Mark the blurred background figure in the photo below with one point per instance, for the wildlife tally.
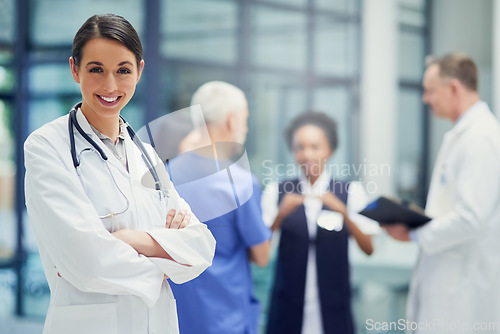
(312, 292)
(457, 279)
(222, 299)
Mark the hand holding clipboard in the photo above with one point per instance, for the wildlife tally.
(389, 211)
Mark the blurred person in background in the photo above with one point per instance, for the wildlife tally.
(456, 283)
(226, 197)
(315, 215)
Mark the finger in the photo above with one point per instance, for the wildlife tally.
(170, 218)
(185, 221)
(178, 219)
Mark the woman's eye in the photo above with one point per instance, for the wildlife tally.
(124, 71)
(95, 70)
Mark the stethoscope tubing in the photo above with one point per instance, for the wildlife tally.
(73, 122)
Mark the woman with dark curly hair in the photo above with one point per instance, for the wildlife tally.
(311, 292)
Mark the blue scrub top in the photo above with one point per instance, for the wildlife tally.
(221, 299)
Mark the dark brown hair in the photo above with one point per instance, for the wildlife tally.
(319, 119)
(107, 26)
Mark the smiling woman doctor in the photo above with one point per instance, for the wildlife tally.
(110, 227)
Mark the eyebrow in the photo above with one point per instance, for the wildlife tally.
(100, 64)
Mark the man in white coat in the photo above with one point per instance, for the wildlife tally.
(456, 283)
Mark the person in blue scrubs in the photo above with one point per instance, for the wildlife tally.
(226, 197)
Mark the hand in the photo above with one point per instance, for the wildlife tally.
(289, 203)
(177, 222)
(397, 231)
(334, 203)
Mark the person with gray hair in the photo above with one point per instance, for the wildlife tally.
(226, 197)
(456, 283)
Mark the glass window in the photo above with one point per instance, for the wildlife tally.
(5, 57)
(134, 113)
(299, 3)
(201, 30)
(7, 79)
(42, 111)
(181, 81)
(36, 292)
(7, 21)
(336, 47)
(409, 148)
(412, 17)
(342, 6)
(55, 22)
(279, 38)
(52, 78)
(412, 49)
(416, 5)
(7, 182)
(273, 102)
(335, 102)
(411, 55)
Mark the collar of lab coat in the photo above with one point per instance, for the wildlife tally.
(468, 117)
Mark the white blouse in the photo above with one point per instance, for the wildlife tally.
(356, 201)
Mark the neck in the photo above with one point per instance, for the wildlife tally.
(313, 178)
(468, 101)
(108, 126)
(220, 135)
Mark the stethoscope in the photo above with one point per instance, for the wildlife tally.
(73, 123)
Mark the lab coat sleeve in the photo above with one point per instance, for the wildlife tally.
(192, 247)
(70, 232)
(477, 190)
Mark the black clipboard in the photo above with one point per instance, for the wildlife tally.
(388, 211)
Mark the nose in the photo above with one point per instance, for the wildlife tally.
(308, 154)
(109, 83)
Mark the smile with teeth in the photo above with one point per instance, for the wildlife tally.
(109, 99)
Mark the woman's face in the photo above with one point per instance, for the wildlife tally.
(311, 149)
(107, 75)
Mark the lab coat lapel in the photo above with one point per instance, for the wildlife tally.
(132, 151)
(439, 180)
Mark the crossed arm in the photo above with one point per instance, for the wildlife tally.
(144, 244)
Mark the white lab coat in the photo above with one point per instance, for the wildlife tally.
(98, 283)
(456, 284)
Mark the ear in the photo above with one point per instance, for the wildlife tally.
(141, 67)
(455, 86)
(74, 70)
(231, 121)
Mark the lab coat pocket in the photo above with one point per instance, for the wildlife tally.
(90, 318)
